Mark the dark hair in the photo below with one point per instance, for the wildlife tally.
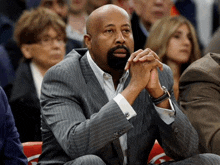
(33, 22)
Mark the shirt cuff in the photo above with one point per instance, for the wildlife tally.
(125, 107)
(166, 115)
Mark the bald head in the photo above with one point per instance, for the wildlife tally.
(96, 17)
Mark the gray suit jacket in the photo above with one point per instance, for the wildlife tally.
(78, 119)
(200, 99)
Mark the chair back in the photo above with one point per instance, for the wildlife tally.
(32, 150)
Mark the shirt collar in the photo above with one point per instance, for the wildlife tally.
(37, 77)
(100, 74)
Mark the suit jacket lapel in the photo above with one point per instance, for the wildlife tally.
(91, 80)
(95, 87)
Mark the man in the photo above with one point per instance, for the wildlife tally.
(147, 12)
(200, 99)
(94, 4)
(95, 113)
(41, 36)
(59, 6)
(10, 146)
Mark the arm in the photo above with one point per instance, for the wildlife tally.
(179, 139)
(201, 103)
(13, 152)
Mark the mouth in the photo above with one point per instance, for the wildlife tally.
(121, 53)
(184, 51)
(158, 14)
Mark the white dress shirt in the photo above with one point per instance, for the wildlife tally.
(37, 77)
(107, 85)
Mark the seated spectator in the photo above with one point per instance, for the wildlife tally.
(11, 152)
(61, 8)
(174, 40)
(76, 24)
(200, 100)
(96, 112)
(94, 4)
(125, 4)
(146, 13)
(41, 36)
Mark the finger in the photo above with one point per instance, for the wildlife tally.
(154, 64)
(133, 55)
(151, 56)
(145, 52)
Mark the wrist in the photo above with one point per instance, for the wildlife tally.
(163, 97)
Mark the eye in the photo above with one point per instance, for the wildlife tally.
(126, 30)
(61, 3)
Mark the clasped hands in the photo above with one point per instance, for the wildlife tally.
(143, 65)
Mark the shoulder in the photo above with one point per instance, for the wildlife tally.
(206, 68)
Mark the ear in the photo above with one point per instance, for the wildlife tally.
(25, 49)
(88, 41)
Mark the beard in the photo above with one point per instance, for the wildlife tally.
(117, 63)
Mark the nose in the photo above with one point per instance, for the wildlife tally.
(159, 2)
(186, 41)
(120, 39)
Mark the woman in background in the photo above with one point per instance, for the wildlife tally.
(175, 41)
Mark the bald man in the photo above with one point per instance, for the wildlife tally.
(106, 105)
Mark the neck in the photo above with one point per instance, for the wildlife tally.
(116, 75)
(77, 21)
(175, 67)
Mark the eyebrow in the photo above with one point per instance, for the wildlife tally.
(110, 25)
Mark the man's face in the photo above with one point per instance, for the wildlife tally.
(58, 6)
(48, 51)
(98, 3)
(111, 41)
(77, 6)
(152, 10)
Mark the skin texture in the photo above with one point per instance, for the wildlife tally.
(108, 27)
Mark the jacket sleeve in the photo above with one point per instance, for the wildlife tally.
(179, 139)
(12, 147)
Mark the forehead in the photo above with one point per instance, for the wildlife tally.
(114, 18)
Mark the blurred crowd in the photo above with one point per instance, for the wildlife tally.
(37, 34)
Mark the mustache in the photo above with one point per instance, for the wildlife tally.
(119, 47)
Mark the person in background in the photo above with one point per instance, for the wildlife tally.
(146, 13)
(94, 4)
(107, 104)
(175, 41)
(41, 36)
(125, 4)
(59, 6)
(11, 151)
(200, 100)
(76, 24)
